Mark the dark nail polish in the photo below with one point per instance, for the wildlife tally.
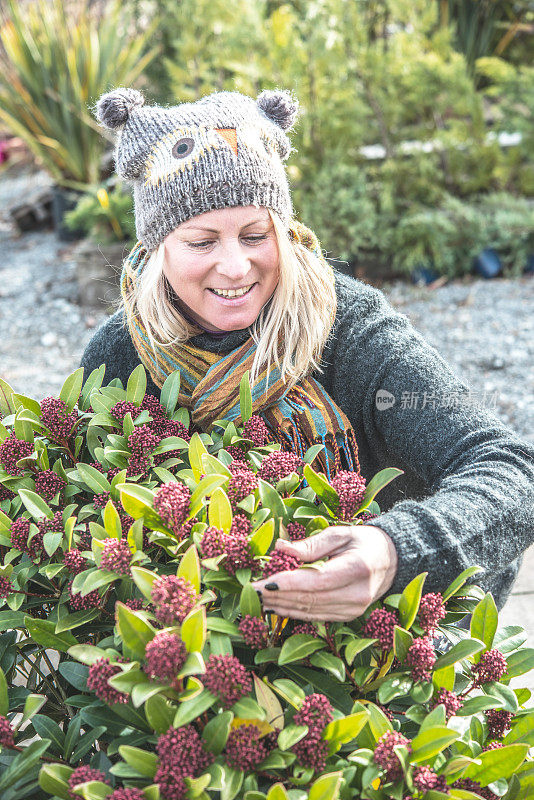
(272, 587)
(259, 593)
(268, 610)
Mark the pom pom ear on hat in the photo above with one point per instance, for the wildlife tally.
(279, 106)
(114, 108)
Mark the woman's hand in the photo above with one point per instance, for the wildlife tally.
(361, 566)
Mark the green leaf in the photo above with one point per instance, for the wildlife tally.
(206, 486)
(269, 702)
(191, 709)
(170, 391)
(94, 479)
(144, 580)
(94, 790)
(32, 704)
(298, 647)
(51, 542)
(341, 731)
(193, 630)
(196, 450)
(462, 649)
(144, 762)
(245, 397)
(220, 510)
(458, 582)
(43, 632)
(215, 732)
(326, 787)
(394, 686)
(321, 487)
(35, 505)
(249, 602)
(444, 678)
(159, 713)
(4, 701)
(410, 599)
(271, 500)
(377, 483)
(70, 391)
(112, 521)
(520, 662)
(221, 625)
(190, 567)
(495, 764)
(23, 763)
(484, 621)
(522, 730)
(135, 631)
(261, 539)
(330, 663)
(53, 780)
(136, 500)
(46, 728)
(136, 386)
(291, 735)
(402, 642)
(504, 693)
(7, 404)
(430, 742)
(357, 646)
(312, 452)
(474, 705)
(277, 792)
(233, 779)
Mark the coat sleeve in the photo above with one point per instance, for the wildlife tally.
(481, 474)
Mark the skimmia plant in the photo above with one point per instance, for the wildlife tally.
(137, 663)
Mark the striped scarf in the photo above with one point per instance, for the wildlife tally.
(209, 383)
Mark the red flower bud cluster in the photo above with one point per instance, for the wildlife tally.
(237, 453)
(227, 679)
(350, 487)
(236, 546)
(245, 749)
(181, 755)
(48, 483)
(450, 700)
(135, 603)
(172, 504)
(240, 526)
(11, 451)
(83, 774)
(421, 658)
(365, 516)
(20, 531)
(97, 681)
(256, 430)
(124, 407)
(491, 667)
(426, 779)
(101, 500)
(254, 631)
(6, 587)
(242, 483)
(127, 793)
(141, 442)
(75, 562)
(280, 561)
(173, 597)
(431, 611)
(473, 786)
(6, 732)
(279, 465)
(386, 757)
(56, 417)
(5, 493)
(380, 625)
(165, 656)
(79, 603)
(296, 531)
(493, 746)
(499, 722)
(116, 556)
(213, 542)
(316, 713)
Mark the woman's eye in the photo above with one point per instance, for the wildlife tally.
(247, 238)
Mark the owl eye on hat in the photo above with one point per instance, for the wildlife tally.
(225, 149)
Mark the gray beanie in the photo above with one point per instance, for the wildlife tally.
(225, 149)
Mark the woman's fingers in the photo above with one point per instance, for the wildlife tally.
(320, 545)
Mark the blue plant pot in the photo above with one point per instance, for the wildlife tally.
(488, 264)
(424, 275)
(529, 269)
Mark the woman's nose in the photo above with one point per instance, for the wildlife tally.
(233, 262)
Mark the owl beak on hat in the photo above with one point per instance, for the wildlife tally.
(230, 136)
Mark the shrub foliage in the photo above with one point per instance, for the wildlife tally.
(137, 661)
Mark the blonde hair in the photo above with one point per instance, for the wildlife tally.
(297, 322)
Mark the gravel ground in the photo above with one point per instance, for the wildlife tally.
(484, 329)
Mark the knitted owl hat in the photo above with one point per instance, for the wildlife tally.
(225, 149)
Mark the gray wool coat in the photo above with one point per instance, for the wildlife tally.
(467, 493)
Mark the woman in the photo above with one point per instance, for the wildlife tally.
(224, 278)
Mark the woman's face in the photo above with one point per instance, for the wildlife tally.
(213, 255)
